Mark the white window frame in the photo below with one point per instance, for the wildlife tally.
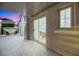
(65, 17)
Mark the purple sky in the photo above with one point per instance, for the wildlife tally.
(10, 15)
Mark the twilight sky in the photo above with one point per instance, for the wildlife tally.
(10, 15)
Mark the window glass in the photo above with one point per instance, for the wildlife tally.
(68, 12)
(62, 23)
(68, 22)
(65, 18)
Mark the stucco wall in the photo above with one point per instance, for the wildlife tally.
(61, 41)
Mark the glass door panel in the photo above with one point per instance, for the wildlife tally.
(36, 30)
(42, 30)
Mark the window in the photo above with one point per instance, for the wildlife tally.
(65, 18)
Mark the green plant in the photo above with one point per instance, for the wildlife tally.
(7, 24)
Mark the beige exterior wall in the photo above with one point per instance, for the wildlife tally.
(77, 16)
(66, 41)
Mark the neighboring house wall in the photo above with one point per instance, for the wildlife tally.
(66, 41)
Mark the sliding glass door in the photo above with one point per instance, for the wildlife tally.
(40, 29)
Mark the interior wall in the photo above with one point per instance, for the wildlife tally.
(65, 42)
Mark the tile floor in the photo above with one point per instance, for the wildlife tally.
(15, 45)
